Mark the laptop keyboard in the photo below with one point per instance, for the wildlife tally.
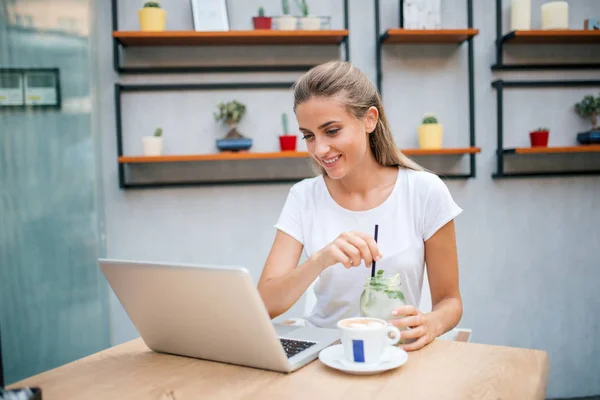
(293, 347)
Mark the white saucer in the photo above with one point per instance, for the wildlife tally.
(333, 357)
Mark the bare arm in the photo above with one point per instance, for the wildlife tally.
(283, 281)
(442, 269)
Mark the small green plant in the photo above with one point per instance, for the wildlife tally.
(303, 6)
(430, 119)
(285, 7)
(158, 132)
(541, 129)
(261, 12)
(589, 107)
(284, 123)
(151, 4)
(231, 112)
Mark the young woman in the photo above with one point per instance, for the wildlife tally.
(365, 180)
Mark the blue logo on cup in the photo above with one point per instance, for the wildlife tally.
(358, 349)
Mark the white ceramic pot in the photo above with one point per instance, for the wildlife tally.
(310, 23)
(152, 146)
(286, 23)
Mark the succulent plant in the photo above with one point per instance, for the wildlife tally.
(158, 132)
(303, 6)
(261, 12)
(430, 119)
(285, 7)
(151, 4)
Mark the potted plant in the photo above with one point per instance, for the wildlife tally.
(308, 22)
(539, 137)
(287, 142)
(589, 107)
(286, 22)
(152, 17)
(261, 22)
(231, 113)
(153, 145)
(430, 132)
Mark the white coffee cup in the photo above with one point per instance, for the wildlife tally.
(366, 339)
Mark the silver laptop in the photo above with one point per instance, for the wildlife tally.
(210, 312)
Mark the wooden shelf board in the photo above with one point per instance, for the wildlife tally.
(225, 156)
(252, 37)
(592, 148)
(572, 36)
(441, 152)
(231, 156)
(399, 35)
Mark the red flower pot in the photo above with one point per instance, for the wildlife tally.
(287, 142)
(261, 22)
(539, 138)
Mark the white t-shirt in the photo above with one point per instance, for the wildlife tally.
(419, 205)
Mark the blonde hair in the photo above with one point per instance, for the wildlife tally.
(342, 79)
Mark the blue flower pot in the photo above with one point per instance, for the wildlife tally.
(234, 144)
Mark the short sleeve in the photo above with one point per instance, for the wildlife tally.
(290, 221)
(439, 208)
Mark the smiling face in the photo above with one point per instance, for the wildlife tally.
(337, 140)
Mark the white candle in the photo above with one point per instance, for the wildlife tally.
(520, 15)
(555, 15)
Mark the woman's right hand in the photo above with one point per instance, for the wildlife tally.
(349, 249)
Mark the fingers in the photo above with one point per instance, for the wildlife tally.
(408, 322)
(415, 345)
(350, 251)
(413, 333)
(370, 242)
(361, 245)
(341, 257)
(405, 311)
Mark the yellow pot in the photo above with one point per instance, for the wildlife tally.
(152, 19)
(430, 136)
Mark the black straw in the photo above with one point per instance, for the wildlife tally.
(373, 265)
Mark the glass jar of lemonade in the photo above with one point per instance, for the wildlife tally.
(381, 295)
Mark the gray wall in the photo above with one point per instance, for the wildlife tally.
(528, 266)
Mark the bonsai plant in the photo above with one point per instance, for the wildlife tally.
(430, 132)
(539, 137)
(261, 22)
(152, 17)
(152, 145)
(287, 141)
(286, 22)
(307, 21)
(231, 113)
(589, 107)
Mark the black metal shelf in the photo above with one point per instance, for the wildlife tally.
(380, 40)
(121, 88)
(213, 68)
(502, 152)
(541, 37)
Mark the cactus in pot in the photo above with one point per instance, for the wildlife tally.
(152, 17)
(287, 141)
(286, 22)
(430, 132)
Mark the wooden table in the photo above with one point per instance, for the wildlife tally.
(442, 370)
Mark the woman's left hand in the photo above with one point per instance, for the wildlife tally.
(422, 329)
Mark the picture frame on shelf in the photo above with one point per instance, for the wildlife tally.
(209, 15)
